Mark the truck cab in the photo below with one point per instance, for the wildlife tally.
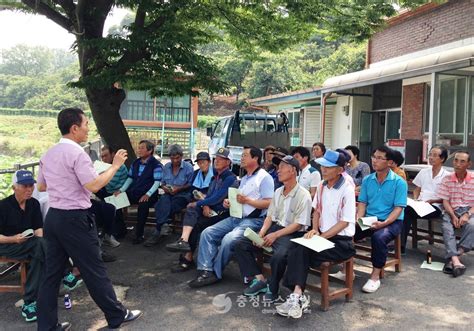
(248, 129)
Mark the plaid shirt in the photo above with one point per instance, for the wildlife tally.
(458, 194)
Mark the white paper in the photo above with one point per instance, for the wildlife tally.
(236, 208)
(316, 243)
(100, 166)
(28, 233)
(422, 208)
(253, 236)
(435, 266)
(212, 213)
(366, 222)
(120, 201)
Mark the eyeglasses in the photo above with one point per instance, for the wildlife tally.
(378, 158)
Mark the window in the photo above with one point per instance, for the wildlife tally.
(426, 109)
(452, 105)
(294, 127)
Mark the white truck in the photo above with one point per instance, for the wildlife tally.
(248, 129)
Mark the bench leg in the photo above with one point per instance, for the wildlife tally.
(23, 277)
(430, 232)
(414, 234)
(325, 287)
(398, 253)
(349, 280)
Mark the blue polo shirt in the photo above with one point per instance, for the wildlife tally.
(381, 198)
(183, 177)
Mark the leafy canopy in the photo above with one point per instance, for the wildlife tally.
(158, 50)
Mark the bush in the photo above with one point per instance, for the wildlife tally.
(205, 121)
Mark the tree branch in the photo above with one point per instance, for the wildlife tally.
(51, 13)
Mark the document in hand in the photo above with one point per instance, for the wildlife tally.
(100, 166)
(316, 243)
(366, 222)
(253, 236)
(120, 201)
(236, 208)
(28, 233)
(422, 208)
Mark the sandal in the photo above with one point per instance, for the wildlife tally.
(448, 268)
(458, 270)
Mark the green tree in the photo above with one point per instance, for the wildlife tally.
(276, 73)
(24, 60)
(159, 52)
(234, 71)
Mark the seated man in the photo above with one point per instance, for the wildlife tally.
(383, 194)
(177, 180)
(144, 179)
(426, 183)
(202, 177)
(309, 177)
(217, 242)
(204, 213)
(456, 190)
(278, 154)
(288, 215)
(333, 219)
(20, 212)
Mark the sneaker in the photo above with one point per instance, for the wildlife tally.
(71, 282)
(205, 278)
(294, 306)
(371, 286)
(109, 240)
(106, 257)
(256, 287)
(269, 297)
(179, 246)
(29, 312)
(152, 241)
(341, 276)
(183, 265)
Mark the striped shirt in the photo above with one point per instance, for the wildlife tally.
(117, 181)
(458, 194)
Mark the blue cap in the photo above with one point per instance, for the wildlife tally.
(23, 177)
(332, 159)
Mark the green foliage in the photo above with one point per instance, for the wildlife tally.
(205, 121)
(46, 90)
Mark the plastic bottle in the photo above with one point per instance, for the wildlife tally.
(428, 256)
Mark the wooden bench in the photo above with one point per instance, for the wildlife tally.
(429, 233)
(15, 264)
(327, 293)
(393, 259)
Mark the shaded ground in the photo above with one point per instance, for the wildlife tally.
(413, 299)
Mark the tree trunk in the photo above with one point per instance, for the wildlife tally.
(105, 106)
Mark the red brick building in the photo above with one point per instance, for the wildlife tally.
(418, 84)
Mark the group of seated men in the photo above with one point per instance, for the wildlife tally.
(282, 198)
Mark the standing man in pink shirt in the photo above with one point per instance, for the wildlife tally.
(67, 173)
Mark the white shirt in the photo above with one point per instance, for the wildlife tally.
(309, 179)
(299, 199)
(337, 204)
(429, 185)
(257, 186)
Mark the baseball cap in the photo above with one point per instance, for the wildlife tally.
(203, 156)
(278, 154)
(23, 177)
(224, 153)
(288, 160)
(332, 159)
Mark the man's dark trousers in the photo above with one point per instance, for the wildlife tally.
(72, 233)
(34, 250)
